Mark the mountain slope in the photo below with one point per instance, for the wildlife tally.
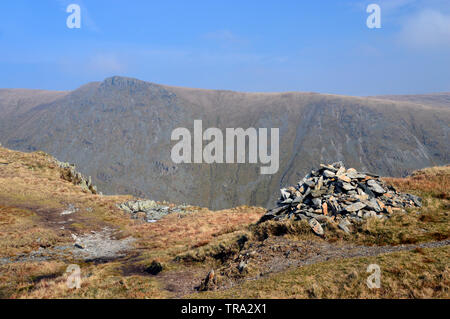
(14, 102)
(119, 132)
(433, 99)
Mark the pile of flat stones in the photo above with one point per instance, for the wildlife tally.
(333, 193)
(149, 210)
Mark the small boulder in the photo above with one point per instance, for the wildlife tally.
(344, 178)
(328, 174)
(209, 283)
(316, 227)
(242, 266)
(375, 187)
(355, 207)
(343, 224)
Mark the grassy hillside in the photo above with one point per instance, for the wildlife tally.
(32, 197)
(17, 102)
(284, 260)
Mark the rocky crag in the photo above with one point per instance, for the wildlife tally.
(69, 173)
(335, 194)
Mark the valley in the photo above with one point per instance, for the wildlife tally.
(119, 132)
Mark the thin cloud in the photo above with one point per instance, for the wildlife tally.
(426, 29)
(389, 6)
(107, 63)
(225, 38)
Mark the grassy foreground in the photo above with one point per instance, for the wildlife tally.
(422, 273)
(33, 195)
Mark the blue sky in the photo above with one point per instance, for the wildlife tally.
(321, 46)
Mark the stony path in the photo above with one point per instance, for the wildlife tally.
(290, 254)
(91, 247)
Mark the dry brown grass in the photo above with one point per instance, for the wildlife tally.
(428, 182)
(32, 196)
(20, 278)
(178, 232)
(419, 274)
(97, 282)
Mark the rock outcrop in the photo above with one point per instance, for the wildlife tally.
(333, 193)
(69, 173)
(149, 210)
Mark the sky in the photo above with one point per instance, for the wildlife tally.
(257, 46)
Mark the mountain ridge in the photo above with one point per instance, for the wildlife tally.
(118, 131)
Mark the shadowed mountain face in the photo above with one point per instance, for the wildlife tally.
(118, 131)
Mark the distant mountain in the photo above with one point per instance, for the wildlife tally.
(15, 102)
(118, 131)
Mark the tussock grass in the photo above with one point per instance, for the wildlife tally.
(180, 232)
(419, 274)
(32, 196)
(21, 278)
(428, 182)
(220, 249)
(97, 282)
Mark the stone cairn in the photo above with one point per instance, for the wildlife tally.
(333, 193)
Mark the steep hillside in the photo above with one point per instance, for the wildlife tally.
(14, 102)
(119, 132)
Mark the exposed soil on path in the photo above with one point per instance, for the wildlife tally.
(275, 255)
(55, 218)
(96, 247)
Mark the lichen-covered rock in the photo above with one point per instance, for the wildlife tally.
(149, 210)
(69, 173)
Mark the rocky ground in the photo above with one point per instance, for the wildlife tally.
(150, 211)
(94, 247)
